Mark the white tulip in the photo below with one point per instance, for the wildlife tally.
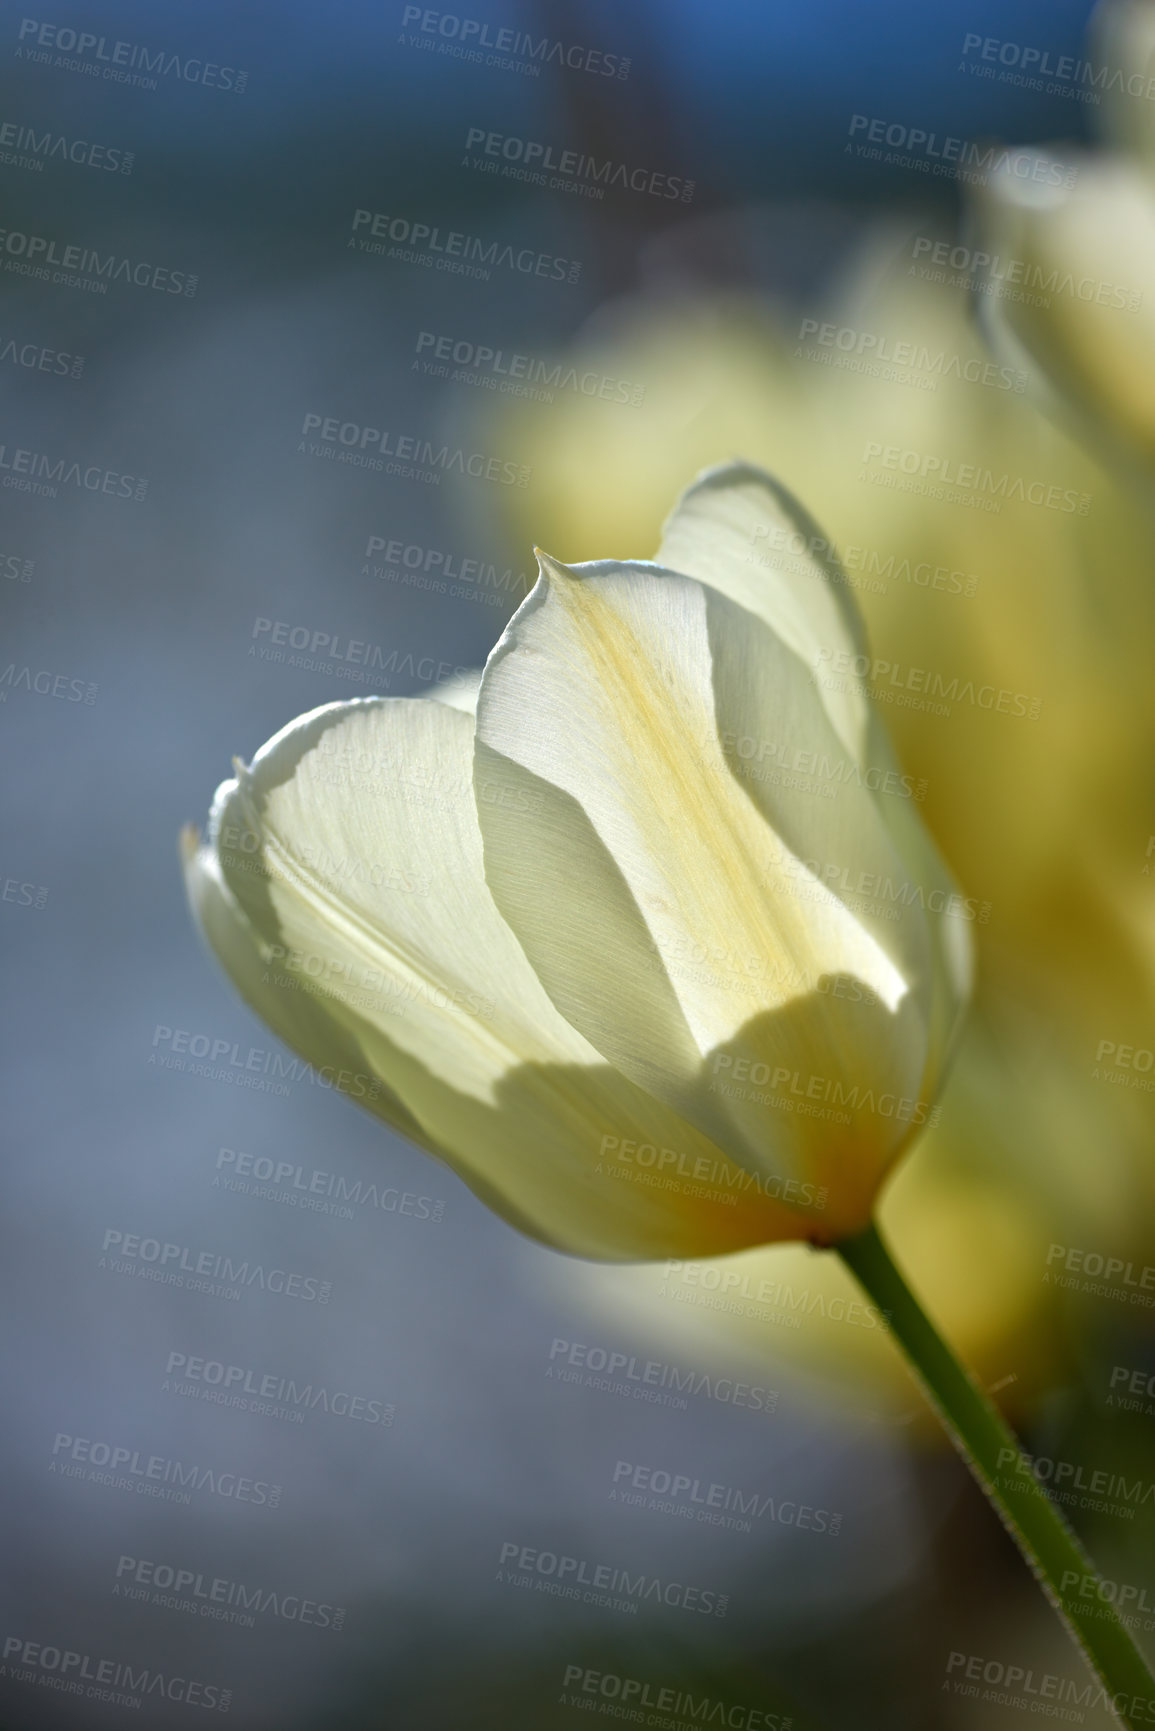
(653, 950)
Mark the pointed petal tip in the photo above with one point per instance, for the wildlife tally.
(549, 566)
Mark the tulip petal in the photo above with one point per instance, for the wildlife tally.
(746, 535)
(666, 903)
(368, 934)
(295, 1016)
(739, 530)
(949, 925)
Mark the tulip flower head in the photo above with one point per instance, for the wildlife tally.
(640, 935)
(1082, 235)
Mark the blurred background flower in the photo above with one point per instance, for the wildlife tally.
(1083, 233)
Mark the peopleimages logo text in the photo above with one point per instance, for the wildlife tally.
(370, 446)
(84, 1674)
(873, 346)
(503, 369)
(450, 32)
(123, 1251)
(1040, 63)
(548, 1571)
(184, 1589)
(119, 61)
(542, 159)
(32, 254)
(971, 161)
(22, 146)
(451, 250)
(158, 1476)
(257, 1391)
(973, 478)
(40, 358)
(632, 1693)
(990, 269)
(220, 1051)
(39, 472)
(720, 1505)
(654, 1379)
(318, 1191)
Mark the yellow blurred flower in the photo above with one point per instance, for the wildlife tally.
(1085, 317)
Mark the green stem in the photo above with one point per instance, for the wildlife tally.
(995, 1457)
